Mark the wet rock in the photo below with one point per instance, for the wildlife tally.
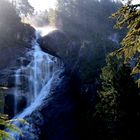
(22, 61)
(59, 112)
(55, 118)
(9, 105)
(21, 103)
(23, 84)
(4, 76)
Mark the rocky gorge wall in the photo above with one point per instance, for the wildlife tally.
(14, 44)
(58, 116)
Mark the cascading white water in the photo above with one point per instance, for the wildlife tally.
(39, 72)
(38, 101)
(17, 82)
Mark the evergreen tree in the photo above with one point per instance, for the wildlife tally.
(82, 19)
(24, 8)
(87, 24)
(119, 100)
(129, 16)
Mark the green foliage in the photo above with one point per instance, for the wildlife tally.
(93, 57)
(8, 14)
(87, 23)
(81, 19)
(9, 23)
(129, 16)
(52, 15)
(118, 100)
(40, 18)
(24, 8)
(14, 35)
(5, 123)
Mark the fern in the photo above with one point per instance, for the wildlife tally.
(10, 126)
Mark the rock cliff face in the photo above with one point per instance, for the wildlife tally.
(15, 41)
(64, 109)
(57, 43)
(15, 46)
(57, 118)
(60, 113)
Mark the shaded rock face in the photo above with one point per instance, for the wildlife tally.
(56, 118)
(9, 104)
(8, 56)
(55, 43)
(58, 44)
(7, 75)
(13, 47)
(7, 80)
(15, 42)
(12, 57)
(64, 111)
(60, 114)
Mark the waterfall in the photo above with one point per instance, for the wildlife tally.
(17, 82)
(40, 72)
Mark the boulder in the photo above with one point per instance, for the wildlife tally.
(58, 44)
(55, 43)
